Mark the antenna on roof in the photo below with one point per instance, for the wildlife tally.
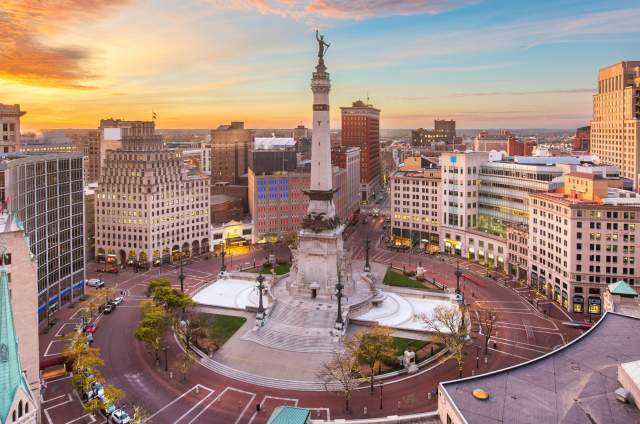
(368, 102)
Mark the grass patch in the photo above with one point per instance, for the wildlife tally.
(281, 269)
(400, 345)
(392, 278)
(224, 326)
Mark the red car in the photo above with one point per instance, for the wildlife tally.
(91, 328)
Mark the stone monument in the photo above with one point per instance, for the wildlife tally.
(320, 255)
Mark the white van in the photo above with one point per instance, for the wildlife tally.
(94, 282)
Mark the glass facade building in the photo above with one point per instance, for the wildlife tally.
(44, 194)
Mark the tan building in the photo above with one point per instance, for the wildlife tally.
(111, 133)
(16, 258)
(415, 204)
(230, 146)
(148, 208)
(582, 238)
(517, 252)
(615, 128)
(10, 128)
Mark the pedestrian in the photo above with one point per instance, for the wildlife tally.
(257, 408)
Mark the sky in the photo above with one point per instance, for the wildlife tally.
(203, 63)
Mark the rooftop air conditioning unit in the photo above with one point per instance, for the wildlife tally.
(622, 395)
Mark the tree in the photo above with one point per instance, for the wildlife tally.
(154, 283)
(112, 395)
(139, 416)
(344, 370)
(104, 294)
(487, 318)
(448, 325)
(372, 347)
(152, 326)
(290, 239)
(86, 361)
(173, 300)
(184, 364)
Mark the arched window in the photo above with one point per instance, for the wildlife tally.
(19, 409)
(13, 416)
(26, 408)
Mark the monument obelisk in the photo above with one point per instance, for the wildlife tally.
(320, 254)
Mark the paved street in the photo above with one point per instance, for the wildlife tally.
(523, 333)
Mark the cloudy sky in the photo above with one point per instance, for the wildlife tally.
(200, 63)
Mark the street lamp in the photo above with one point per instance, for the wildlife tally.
(381, 395)
(223, 267)
(166, 362)
(367, 267)
(339, 287)
(181, 276)
(260, 289)
(458, 274)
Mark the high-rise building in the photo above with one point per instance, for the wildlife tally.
(149, 208)
(615, 128)
(348, 158)
(361, 128)
(20, 266)
(583, 238)
(44, 195)
(486, 142)
(230, 152)
(10, 128)
(581, 140)
(113, 131)
(18, 403)
(444, 131)
(272, 154)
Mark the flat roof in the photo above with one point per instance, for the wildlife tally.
(586, 175)
(573, 384)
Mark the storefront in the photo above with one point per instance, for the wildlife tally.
(565, 300)
(595, 305)
(578, 304)
(471, 254)
(453, 247)
(556, 293)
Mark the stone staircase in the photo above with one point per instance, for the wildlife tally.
(297, 329)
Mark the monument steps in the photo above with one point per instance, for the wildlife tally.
(274, 339)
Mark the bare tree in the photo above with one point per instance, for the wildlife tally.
(372, 347)
(342, 370)
(448, 325)
(487, 318)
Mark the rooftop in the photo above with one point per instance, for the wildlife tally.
(289, 415)
(573, 384)
(622, 288)
(586, 175)
(266, 143)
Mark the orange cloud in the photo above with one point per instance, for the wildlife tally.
(344, 9)
(25, 58)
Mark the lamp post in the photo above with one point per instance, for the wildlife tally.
(367, 267)
(181, 276)
(339, 287)
(166, 362)
(223, 267)
(260, 289)
(381, 395)
(458, 274)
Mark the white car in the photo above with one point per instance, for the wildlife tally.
(94, 282)
(118, 300)
(120, 417)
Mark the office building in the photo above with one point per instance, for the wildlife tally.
(273, 154)
(348, 158)
(581, 140)
(111, 133)
(615, 128)
(415, 204)
(516, 147)
(444, 132)
(44, 194)
(10, 128)
(486, 142)
(230, 146)
(361, 128)
(581, 239)
(149, 207)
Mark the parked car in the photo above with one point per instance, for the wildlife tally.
(110, 269)
(109, 308)
(95, 282)
(91, 328)
(120, 417)
(96, 390)
(106, 407)
(118, 300)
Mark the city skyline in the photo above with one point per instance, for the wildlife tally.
(198, 64)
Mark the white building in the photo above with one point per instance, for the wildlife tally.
(10, 128)
(149, 207)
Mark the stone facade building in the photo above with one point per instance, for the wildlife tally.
(615, 128)
(581, 239)
(10, 128)
(148, 207)
(230, 146)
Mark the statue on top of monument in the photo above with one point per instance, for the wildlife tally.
(322, 46)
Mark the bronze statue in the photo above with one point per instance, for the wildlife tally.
(322, 46)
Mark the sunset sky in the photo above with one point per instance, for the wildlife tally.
(201, 63)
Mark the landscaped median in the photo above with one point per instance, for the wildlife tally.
(409, 279)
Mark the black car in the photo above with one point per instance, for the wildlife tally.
(109, 307)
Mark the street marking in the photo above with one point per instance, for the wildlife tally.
(255, 414)
(244, 410)
(195, 406)
(91, 417)
(73, 316)
(59, 332)
(319, 410)
(55, 398)
(180, 397)
(46, 352)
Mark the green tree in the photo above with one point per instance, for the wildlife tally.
(173, 300)
(154, 283)
(112, 395)
(152, 326)
(372, 347)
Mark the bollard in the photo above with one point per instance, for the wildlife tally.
(486, 360)
(364, 410)
(473, 372)
(197, 389)
(171, 375)
(429, 396)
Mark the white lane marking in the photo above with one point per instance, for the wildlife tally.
(195, 406)
(178, 398)
(46, 352)
(59, 333)
(255, 414)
